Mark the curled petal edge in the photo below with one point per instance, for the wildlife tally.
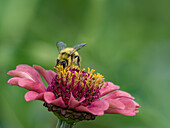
(118, 94)
(26, 71)
(107, 88)
(73, 102)
(130, 108)
(49, 97)
(96, 108)
(48, 75)
(27, 84)
(31, 85)
(31, 95)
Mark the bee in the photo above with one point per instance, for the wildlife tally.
(68, 56)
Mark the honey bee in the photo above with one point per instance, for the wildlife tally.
(68, 56)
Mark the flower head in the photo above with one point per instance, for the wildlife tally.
(84, 87)
(73, 93)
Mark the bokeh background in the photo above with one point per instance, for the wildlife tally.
(128, 43)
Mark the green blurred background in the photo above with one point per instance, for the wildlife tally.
(128, 43)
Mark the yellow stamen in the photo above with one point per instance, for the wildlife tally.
(92, 70)
(88, 70)
(92, 79)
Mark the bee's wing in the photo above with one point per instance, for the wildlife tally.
(60, 45)
(77, 47)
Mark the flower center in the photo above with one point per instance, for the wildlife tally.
(78, 82)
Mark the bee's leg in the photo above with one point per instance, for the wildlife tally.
(57, 62)
(71, 59)
(66, 62)
(78, 61)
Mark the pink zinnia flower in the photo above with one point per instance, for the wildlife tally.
(73, 94)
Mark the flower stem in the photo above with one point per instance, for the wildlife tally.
(63, 124)
(59, 123)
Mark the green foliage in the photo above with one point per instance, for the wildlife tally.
(127, 41)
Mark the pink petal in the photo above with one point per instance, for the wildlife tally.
(129, 104)
(137, 110)
(130, 107)
(82, 108)
(26, 71)
(50, 99)
(118, 94)
(14, 81)
(20, 74)
(47, 75)
(115, 104)
(129, 110)
(137, 105)
(49, 96)
(96, 108)
(111, 111)
(126, 112)
(73, 102)
(31, 85)
(31, 71)
(107, 88)
(31, 95)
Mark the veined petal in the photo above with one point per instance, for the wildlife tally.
(111, 111)
(31, 85)
(129, 104)
(116, 104)
(107, 88)
(126, 112)
(129, 110)
(31, 95)
(31, 71)
(27, 84)
(96, 108)
(26, 71)
(118, 94)
(47, 75)
(20, 74)
(50, 99)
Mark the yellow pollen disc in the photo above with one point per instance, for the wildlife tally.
(89, 79)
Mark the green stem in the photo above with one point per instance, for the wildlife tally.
(59, 123)
(63, 124)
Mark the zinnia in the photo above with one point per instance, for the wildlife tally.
(73, 94)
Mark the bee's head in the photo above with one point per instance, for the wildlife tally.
(70, 51)
(68, 56)
(67, 52)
